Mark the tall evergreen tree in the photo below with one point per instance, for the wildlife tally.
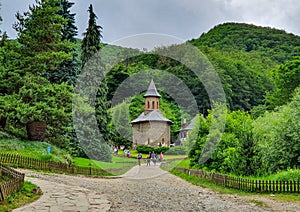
(40, 33)
(90, 46)
(92, 37)
(67, 70)
(69, 30)
(0, 20)
(93, 143)
(41, 50)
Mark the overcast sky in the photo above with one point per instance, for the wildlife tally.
(184, 19)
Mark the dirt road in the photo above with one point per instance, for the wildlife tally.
(141, 189)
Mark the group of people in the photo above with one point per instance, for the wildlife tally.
(151, 156)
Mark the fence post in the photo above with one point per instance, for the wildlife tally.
(1, 194)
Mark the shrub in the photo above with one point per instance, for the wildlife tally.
(289, 175)
(162, 149)
(177, 150)
(144, 149)
(4, 135)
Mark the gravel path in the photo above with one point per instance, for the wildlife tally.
(141, 189)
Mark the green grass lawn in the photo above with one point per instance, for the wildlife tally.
(38, 150)
(33, 149)
(118, 166)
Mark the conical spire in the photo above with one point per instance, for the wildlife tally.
(152, 91)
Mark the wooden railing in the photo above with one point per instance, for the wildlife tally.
(245, 184)
(15, 182)
(31, 163)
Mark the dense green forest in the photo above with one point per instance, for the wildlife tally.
(42, 72)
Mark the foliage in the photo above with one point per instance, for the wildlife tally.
(10, 73)
(101, 106)
(90, 142)
(38, 100)
(273, 43)
(34, 149)
(39, 32)
(234, 153)
(144, 149)
(177, 150)
(92, 37)
(162, 149)
(287, 79)
(121, 124)
(68, 69)
(20, 198)
(276, 136)
(289, 175)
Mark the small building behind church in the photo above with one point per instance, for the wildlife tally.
(151, 127)
(184, 131)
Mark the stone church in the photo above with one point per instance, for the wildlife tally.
(151, 127)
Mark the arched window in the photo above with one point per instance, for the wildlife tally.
(153, 105)
(148, 106)
(163, 140)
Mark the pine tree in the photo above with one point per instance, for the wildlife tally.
(39, 32)
(69, 31)
(92, 38)
(0, 21)
(67, 70)
(93, 143)
(40, 50)
(90, 46)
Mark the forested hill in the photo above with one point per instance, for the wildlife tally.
(273, 43)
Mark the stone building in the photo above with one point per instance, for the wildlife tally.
(184, 131)
(151, 127)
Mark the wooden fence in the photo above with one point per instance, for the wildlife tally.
(245, 184)
(15, 182)
(31, 163)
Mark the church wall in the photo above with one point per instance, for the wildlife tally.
(151, 133)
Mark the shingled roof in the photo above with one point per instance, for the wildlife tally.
(154, 115)
(152, 90)
(190, 126)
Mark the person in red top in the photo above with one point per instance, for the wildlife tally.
(161, 157)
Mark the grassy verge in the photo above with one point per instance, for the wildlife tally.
(33, 149)
(290, 197)
(118, 166)
(38, 150)
(20, 198)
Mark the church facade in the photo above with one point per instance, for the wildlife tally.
(151, 127)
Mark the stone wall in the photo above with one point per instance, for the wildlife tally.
(151, 133)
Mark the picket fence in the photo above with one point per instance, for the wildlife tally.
(15, 182)
(31, 163)
(245, 184)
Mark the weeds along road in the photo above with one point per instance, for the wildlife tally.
(140, 189)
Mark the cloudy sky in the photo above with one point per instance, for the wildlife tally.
(184, 19)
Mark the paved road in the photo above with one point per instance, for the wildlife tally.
(141, 189)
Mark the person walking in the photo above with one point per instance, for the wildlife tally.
(153, 158)
(148, 159)
(161, 157)
(139, 157)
